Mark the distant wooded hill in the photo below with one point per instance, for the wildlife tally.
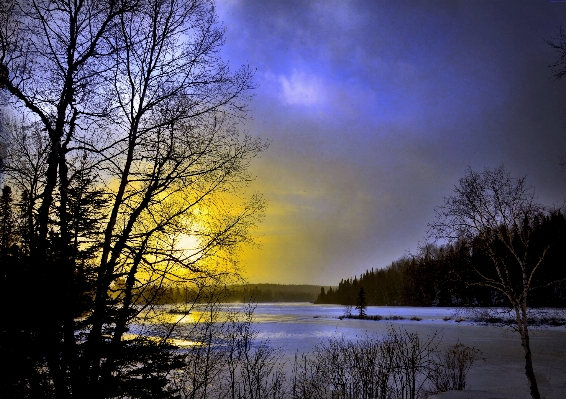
(274, 293)
(236, 293)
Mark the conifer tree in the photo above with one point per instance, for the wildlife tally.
(6, 219)
(361, 303)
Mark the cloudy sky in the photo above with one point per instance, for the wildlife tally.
(374, 110)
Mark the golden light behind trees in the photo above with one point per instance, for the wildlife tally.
(127, 140)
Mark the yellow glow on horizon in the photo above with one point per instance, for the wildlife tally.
(199, 219)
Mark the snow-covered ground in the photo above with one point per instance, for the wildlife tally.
(501, 375)
(298, 327)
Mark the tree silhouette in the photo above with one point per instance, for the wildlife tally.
(499, 216)
(126, 143)
(559, 44)
(361, 302)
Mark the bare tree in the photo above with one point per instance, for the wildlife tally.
(559, 65)
(559, 44)
(498, 214)
(137, 119)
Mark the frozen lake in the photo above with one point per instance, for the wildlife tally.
(298, 327)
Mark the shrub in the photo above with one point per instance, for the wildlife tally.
(396, 365)
(451, 368)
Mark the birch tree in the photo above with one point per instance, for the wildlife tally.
(497, 213)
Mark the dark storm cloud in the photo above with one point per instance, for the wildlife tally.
(375, 109)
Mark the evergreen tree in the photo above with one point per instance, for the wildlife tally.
(322, 296)
(361, 302)
(6, 219)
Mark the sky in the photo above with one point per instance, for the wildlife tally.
(375, 109)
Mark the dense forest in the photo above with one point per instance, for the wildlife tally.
(445, 275)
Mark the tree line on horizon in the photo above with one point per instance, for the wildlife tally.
(236, 293)
(440, 275)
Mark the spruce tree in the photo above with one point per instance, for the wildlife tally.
(361, 303)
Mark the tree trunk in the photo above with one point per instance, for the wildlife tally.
(529, 371)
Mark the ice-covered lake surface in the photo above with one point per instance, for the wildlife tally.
(283, 312)
(298, 327)
(294, 327)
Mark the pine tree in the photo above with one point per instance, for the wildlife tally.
(6, 219)
(361, 302)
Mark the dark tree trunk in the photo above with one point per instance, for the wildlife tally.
(522, 325)
(529, 370)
